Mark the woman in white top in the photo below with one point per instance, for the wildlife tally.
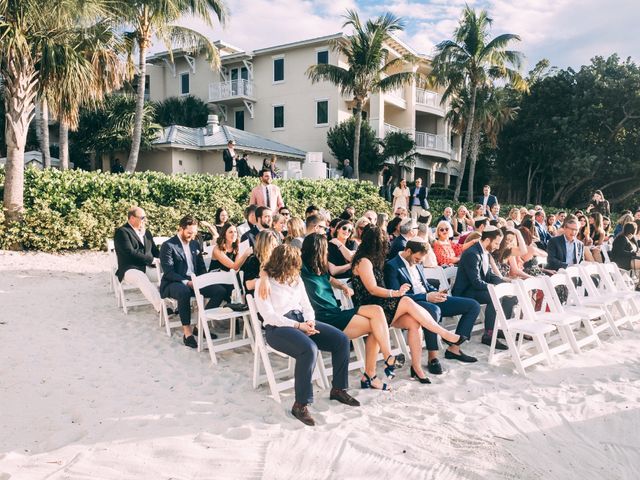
(401, 196)
(290, 328)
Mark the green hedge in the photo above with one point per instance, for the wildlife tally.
(79, 209)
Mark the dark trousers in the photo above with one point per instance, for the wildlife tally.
(182, 294)
(304, 349)
(467, 308)
(483, 297)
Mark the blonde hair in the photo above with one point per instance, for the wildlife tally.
(295, 228)
(266, 242)
(449, 228)
(361, 223)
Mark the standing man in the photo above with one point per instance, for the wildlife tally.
(418, 199)
(347, 171)
(229, 156)
(565, 250)
(136, 250)
(387, 181)
(487, 200)
(266, 194)
(117, 167)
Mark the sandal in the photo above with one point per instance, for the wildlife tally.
(368, 383)
(389, 368)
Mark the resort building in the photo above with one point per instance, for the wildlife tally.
(267, 92)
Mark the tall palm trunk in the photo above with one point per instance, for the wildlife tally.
(466, 142)
(42, 130)
(137, 127)
(473, 159)
(64, 145)
(356, 140)
(20, 82)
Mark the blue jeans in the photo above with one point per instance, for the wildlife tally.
(304, 349)
(467, 308)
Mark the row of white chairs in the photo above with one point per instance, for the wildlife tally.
(600, 300)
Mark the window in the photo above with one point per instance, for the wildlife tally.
(322, 57)
(278, 69)
(278, 116)
(240, 119)
(184, 83)
(322, 112)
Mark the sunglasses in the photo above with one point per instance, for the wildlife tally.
(443, 229)
(346, 229)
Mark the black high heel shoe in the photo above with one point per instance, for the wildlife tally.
(368, 383)
(420, 379)
(398, 363)
(460, 341)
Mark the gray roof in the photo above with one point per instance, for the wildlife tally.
(197, 138)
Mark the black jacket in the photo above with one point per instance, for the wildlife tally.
(228, 160)
(623, 251)
(131, 252)
(422, 197)
(174, 263)
(557, 253)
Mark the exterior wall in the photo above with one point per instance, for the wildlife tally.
(155, 160)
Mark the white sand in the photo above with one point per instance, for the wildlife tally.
(89, 393)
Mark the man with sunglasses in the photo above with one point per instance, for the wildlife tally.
(136, 252)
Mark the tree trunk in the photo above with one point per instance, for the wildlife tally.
(137, 128)
(42, 131)
(356, 140)
(64, 145)
(20, 83)
(473, 157)
(465, 144)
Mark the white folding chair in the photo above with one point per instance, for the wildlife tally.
(219, 314)
(609, 273)
(548, 313)
(604, 249)
(262, 360)
(515, 326)
(160, 240)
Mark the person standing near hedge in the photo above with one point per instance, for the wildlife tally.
(229, 157)
(418, 195)
(266, 194)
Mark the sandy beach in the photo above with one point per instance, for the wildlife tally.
(87, 392)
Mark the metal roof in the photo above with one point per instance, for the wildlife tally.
(197, 139)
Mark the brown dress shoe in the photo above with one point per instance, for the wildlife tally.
(343, 397)
(301, 413)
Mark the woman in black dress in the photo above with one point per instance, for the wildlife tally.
(266, 241)
(341, 250)
(225, 252)
(400, 311)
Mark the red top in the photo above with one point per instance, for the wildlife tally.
(446, 251)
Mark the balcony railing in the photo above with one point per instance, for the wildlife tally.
(397, 93)
(428, 98)
(230, 89)
(432, 141)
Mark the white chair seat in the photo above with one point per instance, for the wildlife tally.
(221, 313)
(557, 318)
(587, 312)
(529, 327)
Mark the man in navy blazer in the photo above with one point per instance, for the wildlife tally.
(407, 268)
(565, 250)
(418, 199)
(473, 276)
(180, 257)
(487, 200)
(541, 229)
(400, 242)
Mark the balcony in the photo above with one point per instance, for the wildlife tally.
(231, 90)
(396, 97)
(428, 101)
(426, 143)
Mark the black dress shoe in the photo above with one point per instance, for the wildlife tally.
(434, 367)
(190, 341)
(343, 397)
(486, 339)
(460, 341)
(461, 357)
(501, 334)
(420, 379)
(301, 413)
(195, 333)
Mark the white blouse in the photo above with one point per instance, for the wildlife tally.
(282, 299)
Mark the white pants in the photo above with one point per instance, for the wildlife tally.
(143, 281)
(416, 211)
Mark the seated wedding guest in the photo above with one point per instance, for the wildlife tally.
(249, 220)
(474, 275)
(311, 210)
(447, 252)
(406, 232)
(221, 218)
(599, 204)
(513, 219)
(407, 268)
(508, 257)
(341, 250)
(624, 251)
(565, 249)
(315, 224)
(263, 222)
(136, 250)
(462, 222)
(424, 233)
(332, 226)
(291, 328)
(382, 221)
(393, 228)
(447, 216)
(606, 226)
(371, 215)
(560, 216)
(478, 211)
(400, 212)
(266, 241)
(494, 212)
(225, 255)
(541, 229)
(367, 320)
(624, 219)
(551, 224)
(347, 214)
(279, 224)
(584, 235)
(479, 224)
(598, 237)
(295, 232)
(181, 258)
(359, 228)
(401, 311)
(523, 212)
(534, 255)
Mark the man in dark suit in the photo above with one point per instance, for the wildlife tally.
(487, 200)
(407, 268)
(418, 199)
(136, 250)
(541, 229)
(565, 250)
(400, 242)
(180, 257)
(229, 157)
(264, 220)
(474, 275)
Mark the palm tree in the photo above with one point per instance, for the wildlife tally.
(29, 31)
(369, 68)
(470, 61)
(149, 18)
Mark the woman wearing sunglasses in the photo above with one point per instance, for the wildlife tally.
(341, 250)
(447, 253)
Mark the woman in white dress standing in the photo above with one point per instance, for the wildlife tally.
(401, 196)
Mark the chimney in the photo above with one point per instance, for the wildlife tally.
(213, 126)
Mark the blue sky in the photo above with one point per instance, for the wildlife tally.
(568, 32)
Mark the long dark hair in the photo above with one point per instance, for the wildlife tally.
(218, 212)
(315, 256)
(374, 246)
(222, 239)
(339, 225)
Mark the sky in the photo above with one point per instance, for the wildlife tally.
(567, 32)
